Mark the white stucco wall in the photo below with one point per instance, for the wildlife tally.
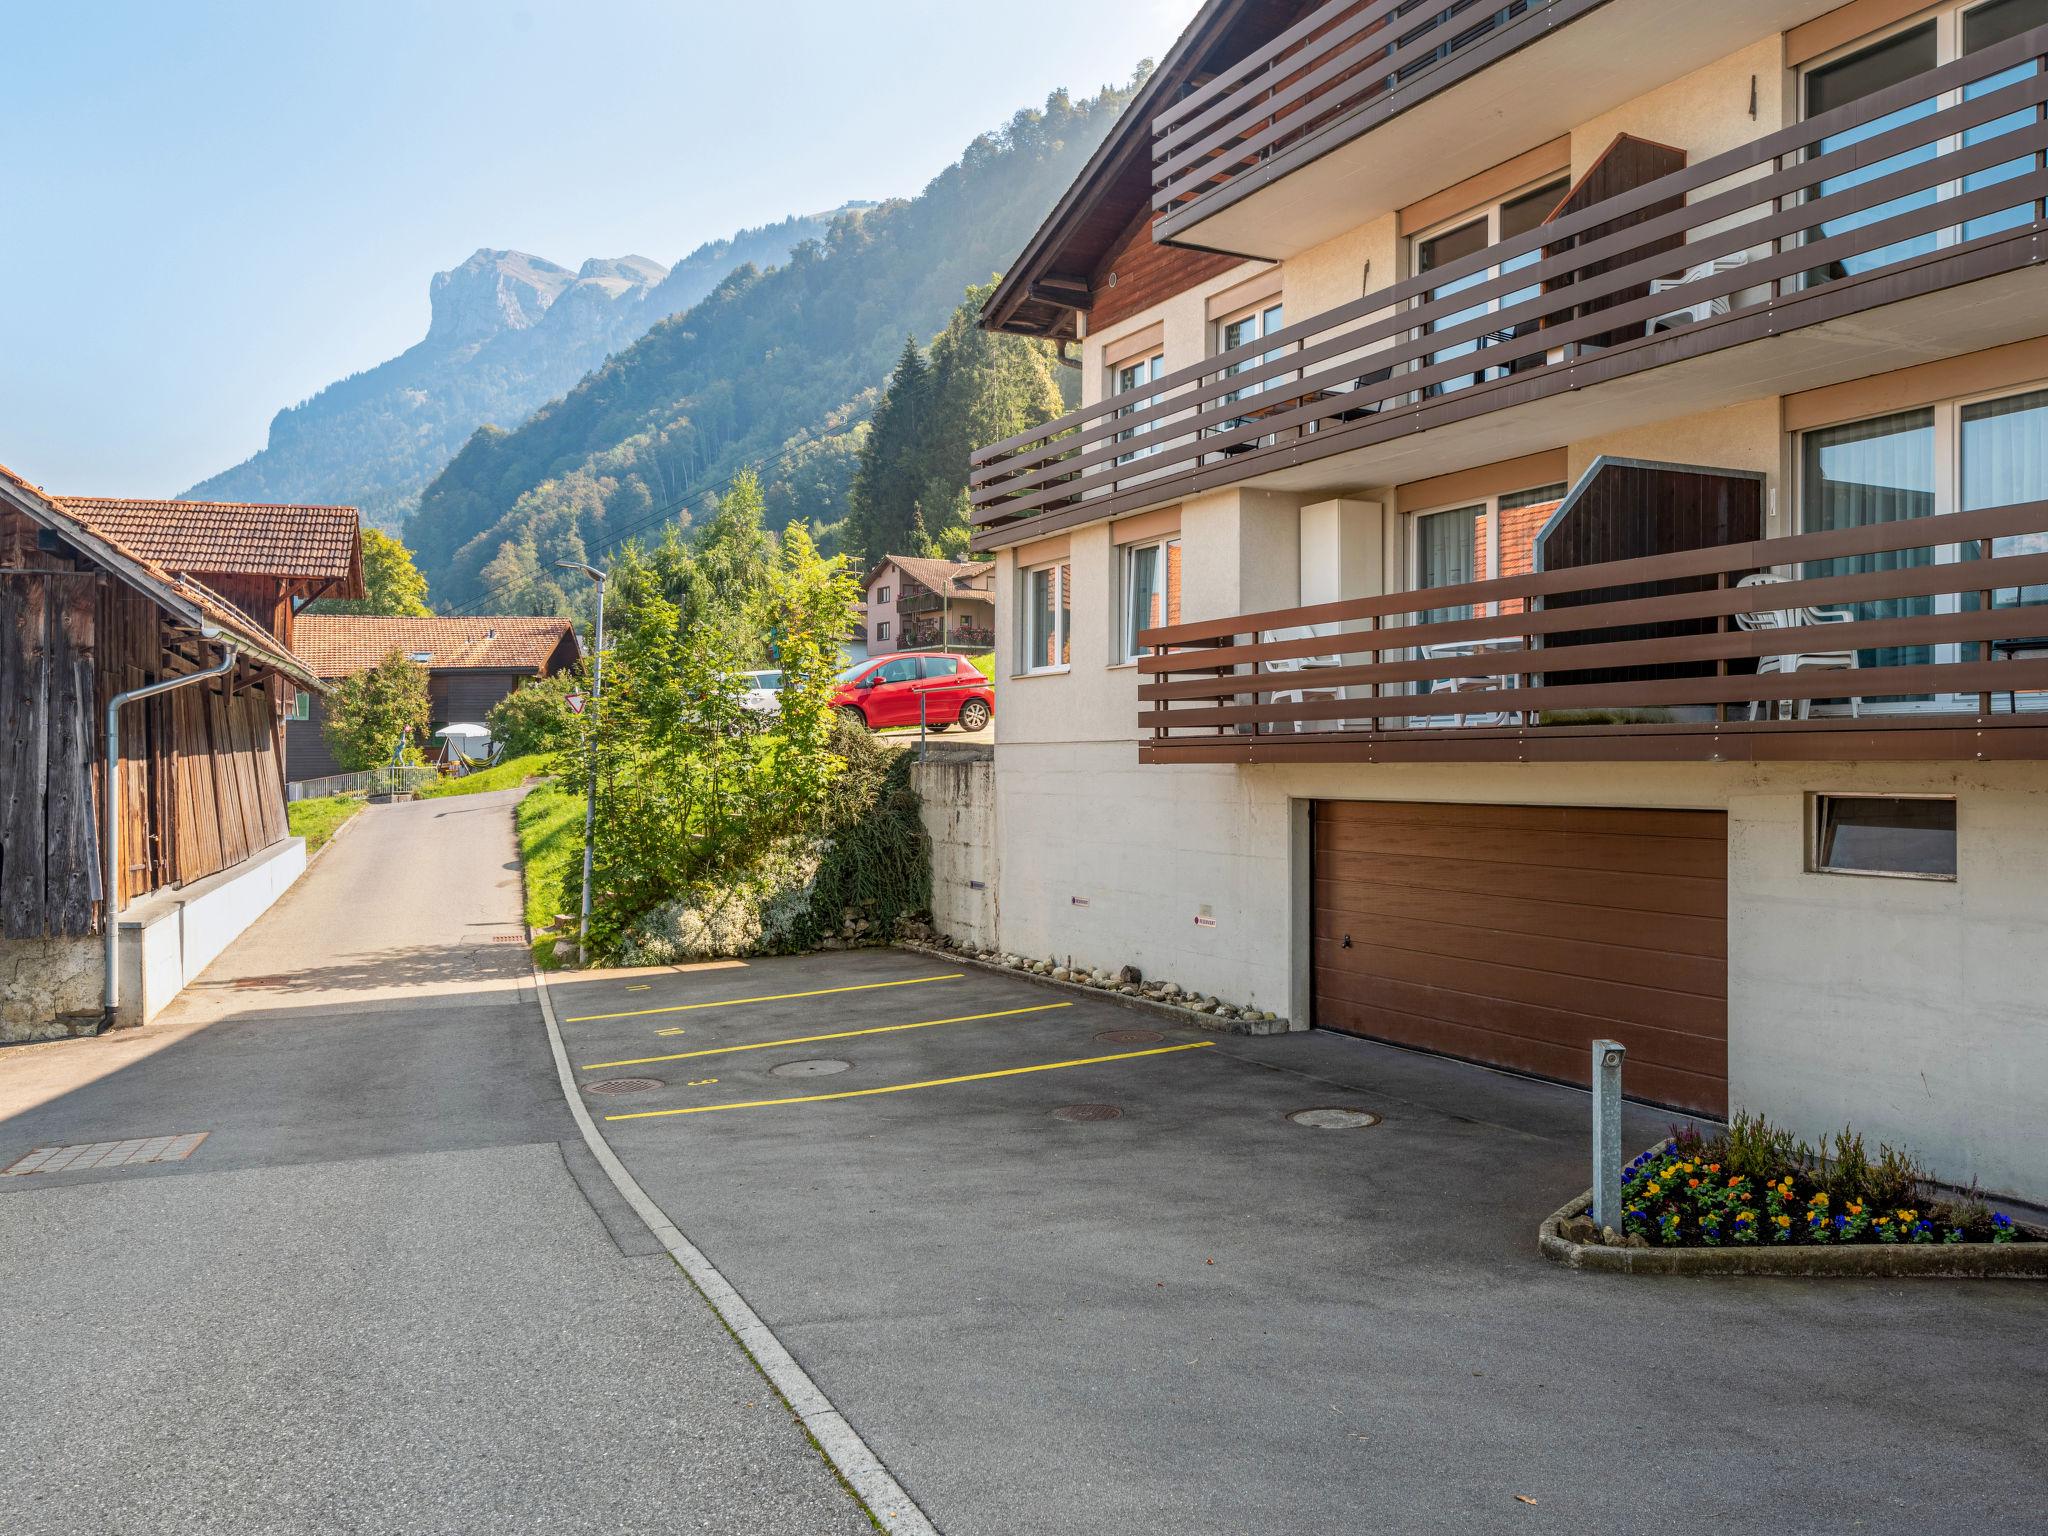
(957, 800)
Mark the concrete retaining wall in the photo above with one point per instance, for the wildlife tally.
(959, 797)
(171, 937)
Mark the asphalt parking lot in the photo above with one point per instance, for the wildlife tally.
(1065, 1277)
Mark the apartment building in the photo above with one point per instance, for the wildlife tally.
(1551, 545)
(915, 604)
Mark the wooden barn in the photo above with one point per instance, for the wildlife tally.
(202, 830)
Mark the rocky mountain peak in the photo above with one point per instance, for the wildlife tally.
(491, 292)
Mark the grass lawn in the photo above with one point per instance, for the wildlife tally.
(318, 820)
(985, 664)
(510, 774)
(550, 846)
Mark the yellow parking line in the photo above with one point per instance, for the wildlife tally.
(778, 997)
(936, 1082)
(843, 1034)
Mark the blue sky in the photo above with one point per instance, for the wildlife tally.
(217, 208)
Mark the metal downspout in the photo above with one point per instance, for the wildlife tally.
(110, 898)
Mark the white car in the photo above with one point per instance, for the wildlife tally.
(764, 693)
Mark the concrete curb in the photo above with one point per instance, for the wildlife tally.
(1872, 1261)
(1186, 1018)
(892, 1508)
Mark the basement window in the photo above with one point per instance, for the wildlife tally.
(1903, 837)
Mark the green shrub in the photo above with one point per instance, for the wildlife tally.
(373, 711)
(535, 717)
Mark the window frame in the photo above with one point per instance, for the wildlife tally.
(1817, 803)
(881, 629)
(1062, 573)
(302, 705)
(1947, 413)
(1487, 508)
(1123, 653)
(1947, 19)
(1271, 315)
(881, 593)
(1489, 212)
(1153, 366)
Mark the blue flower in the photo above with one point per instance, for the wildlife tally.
(2001, 1220)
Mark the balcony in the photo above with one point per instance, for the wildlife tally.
(1873, 643)
(1673, 297)
(1374, 103)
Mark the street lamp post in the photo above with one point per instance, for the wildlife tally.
(596, 707)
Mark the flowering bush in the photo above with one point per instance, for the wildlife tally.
(1752, 1184)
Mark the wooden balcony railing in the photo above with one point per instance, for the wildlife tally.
(1778, 234)
(1950, 640)
(1342, 57)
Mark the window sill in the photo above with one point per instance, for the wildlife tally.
(1019, 677)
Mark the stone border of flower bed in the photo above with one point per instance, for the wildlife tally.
(1137, 1003)
(1929, 1261)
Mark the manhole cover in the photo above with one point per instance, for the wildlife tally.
(824, 1066)
(623, 1085)
(1083, 1113)
(1130, 1037)
(1334, 1119)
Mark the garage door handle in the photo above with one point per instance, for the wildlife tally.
(1347, 941)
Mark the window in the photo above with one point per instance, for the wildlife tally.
(1252, 326)
(1514, 216)
(422, 657)
(1130, 378)
(1869, 67)
(1904, 837)
(900, 669)
(1487, 540)
(1151, 593)
(1954, 456)
(1046, 605)
(881, 594)
(881, 629)
(302, 706)
(940, 666)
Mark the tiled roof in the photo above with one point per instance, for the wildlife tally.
(234, 538)
(339, 644)
(148, 576)
(948, 578)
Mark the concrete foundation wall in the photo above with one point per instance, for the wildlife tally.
(959, 807)
(171, 937)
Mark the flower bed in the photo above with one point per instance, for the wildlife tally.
(1753, 1200)
(1689, 1193)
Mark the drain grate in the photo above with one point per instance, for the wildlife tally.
(624, 1085)
(824, 1066)
(1335, 1119)
(1130, 1037)
(106, 1154)
(1083, 1114)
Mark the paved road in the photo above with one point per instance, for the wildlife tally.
(1201, 1318)
(389, 1292)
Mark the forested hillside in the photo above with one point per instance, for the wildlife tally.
(775, 371)
(509, 332)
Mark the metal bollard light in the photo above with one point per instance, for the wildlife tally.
(1607, 1059)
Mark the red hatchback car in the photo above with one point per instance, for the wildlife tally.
(886, 691)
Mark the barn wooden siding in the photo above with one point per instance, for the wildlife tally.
(202, 771)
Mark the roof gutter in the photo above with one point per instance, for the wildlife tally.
(110, 901)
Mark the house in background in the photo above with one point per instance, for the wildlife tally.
(1554, 547)
(471, 664)
(200, 840)
(929, 605)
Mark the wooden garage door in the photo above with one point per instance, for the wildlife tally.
(1518, 935)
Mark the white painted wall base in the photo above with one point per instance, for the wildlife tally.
(169, 938)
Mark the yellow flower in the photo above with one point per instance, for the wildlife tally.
(1654, 1189)
(1819, 1199)
(1855, 1207)
(1784, 1221)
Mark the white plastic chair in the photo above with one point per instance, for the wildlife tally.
(1706, 308)
(1476, 682)
(1300, 667)
(1802, 660)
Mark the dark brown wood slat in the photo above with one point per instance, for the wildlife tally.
(71, 844)
(1593, 852)
(1647, 969)
(1731, 645)
(1628, 821)
(1954, 678)
(1689, 896)
(1539, 919)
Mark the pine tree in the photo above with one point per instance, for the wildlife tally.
(886, 485)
